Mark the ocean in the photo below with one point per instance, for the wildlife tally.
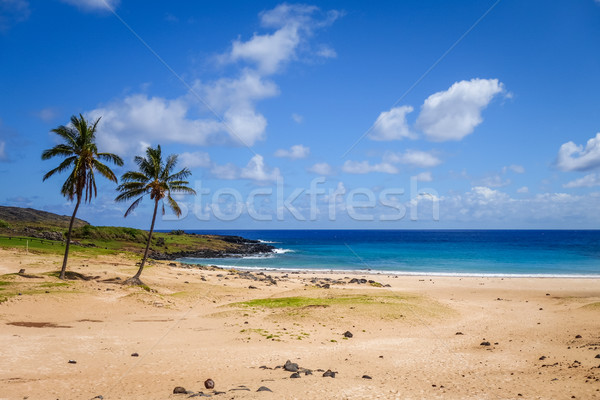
(544, 253)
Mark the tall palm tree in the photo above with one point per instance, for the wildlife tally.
(154, 177)
(82, 158)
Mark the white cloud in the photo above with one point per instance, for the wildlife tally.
(363, 167)
(47, 114)
(137, 119)
(589, 180)
(454, 113)
(424, 177)
(326, 52)
(256, 170)
(3, 156)
(572, 157)
(523, 189)
(193, 160)
(12, 12)
(297, 118)
(518, 169)
(415, 158)
(321, 169)
(93, 5)
(227, 171)
(392, 125)
(296, 152)
(269, 52)
(493, 181)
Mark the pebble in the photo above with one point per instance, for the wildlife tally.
(209, 384)
(290, 366)
(578, 337)
(459, 333)
(329, 374)
(264, 389)
(72, 362)
(295, 375)
(348, 334)
(485, 344)
(366, 377)
(179, 390)
(135, 355)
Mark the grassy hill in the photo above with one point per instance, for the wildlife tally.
(42, 231)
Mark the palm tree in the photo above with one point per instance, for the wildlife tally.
(82, 158)
(154, 177)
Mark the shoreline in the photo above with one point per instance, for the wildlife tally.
(392, 273)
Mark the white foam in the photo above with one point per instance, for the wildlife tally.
(282, 251)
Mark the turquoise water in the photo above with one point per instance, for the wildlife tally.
(469, 252)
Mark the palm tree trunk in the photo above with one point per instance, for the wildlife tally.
(66, 257)
(137, 275)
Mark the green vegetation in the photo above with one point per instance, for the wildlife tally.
(154, 177)
(81, 156)
(4, 224)
(297, 302)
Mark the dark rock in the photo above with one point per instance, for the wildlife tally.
(485, 344)
(72, 362)
(290, 366)
(21, 271)
(99, 397)
(326, 286)
(366, 377)
(578, 337)
(209, 384)
(252, 287)
(264, 389)
(295, 375)
(179, 390)
(362, 281)
(458, 333)
(329, 374)
(542, 358)
(597, 356)
(135, 355)
(348, 334)
(307, 372)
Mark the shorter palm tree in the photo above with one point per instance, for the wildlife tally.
(154, 177)
(81, 156)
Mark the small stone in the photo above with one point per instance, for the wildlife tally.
(264, 389)
(485, 344)
(578, 337)
(308, 372)
(597, 356)
(348, 334)
(135, 355)
(72, 362)
(329, 374)
(459, 333)
(290, 366)
(366, 377)
(542, 358)
(22, 271)
(252, 287)
(295, 375)
(179, 390)
(209, 384)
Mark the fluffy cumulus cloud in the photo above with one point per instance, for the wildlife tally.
(222, 111)
(414, 158)
(271, 51)
(197, 159)
(257, 170)
(517, 169)
(424, 176)
(12, 12)
(392, 125)
(454, 113)
(589, 180)
(523, 190)
(94, 5)
(295, 152)
(572, 157)
(321, 169)
(364, 167)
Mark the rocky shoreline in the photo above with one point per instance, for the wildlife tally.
(241, 247)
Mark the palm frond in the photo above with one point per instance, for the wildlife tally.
(104, 170)
(133, 206)
(174, 206)
(115, 159)
(58, 150)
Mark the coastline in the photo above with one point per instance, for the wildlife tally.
(226, 325)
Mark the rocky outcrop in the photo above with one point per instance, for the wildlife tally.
(240, 247)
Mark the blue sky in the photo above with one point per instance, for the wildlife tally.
(391, 115)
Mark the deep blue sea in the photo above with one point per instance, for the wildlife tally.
(431, 252)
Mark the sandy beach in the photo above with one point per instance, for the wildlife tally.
(419, 338)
